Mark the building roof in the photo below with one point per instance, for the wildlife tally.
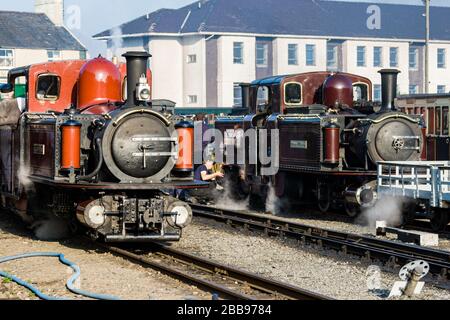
(34, 31)
(290, 17)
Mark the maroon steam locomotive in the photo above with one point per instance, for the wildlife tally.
(84, 149)
(330, 142)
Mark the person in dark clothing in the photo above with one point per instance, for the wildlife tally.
(205, 173)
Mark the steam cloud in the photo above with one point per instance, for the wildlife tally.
(274, 204)
(117, 41)
(228, 201)
(387, 209)
(52, 229)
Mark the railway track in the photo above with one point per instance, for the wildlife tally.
(369, 248)
(225, 281)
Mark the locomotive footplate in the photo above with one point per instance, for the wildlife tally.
(104, 186)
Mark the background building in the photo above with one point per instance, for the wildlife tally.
(27, 38)
(202, 51)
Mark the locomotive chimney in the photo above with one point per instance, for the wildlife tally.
(245, 95)
(388, 88)
(136, 68)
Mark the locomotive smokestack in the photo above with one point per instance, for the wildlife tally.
(136, 67)
(388, 88)
(245, 95)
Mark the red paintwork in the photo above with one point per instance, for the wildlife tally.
(69, 72)
(99, 82)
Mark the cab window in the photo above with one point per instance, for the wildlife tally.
(293, 94)
(360, 92)
(48, 87)
(263, 99)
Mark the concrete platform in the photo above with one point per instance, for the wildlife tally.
(408, 236)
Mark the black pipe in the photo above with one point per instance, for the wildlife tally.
(388, 88)
(245, 87)
(137, 62)
(89, 177)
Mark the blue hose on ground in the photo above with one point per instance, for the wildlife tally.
(69, 284)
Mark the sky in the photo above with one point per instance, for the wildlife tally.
(100, 15)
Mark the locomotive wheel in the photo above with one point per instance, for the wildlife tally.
(324, 205)
(439, 221)
(352, 210)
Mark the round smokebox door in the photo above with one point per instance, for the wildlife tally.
(395, 141)
(135, 148)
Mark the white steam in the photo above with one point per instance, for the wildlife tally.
(24, 178)
(117, 41)
(52, 229)
(387, 209)
(275, 205)
(227, 200)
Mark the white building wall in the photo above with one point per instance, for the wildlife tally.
(194, 74)
(167, 68)
(371, 72)
(281, 55)
(230, 73)
(439, 76)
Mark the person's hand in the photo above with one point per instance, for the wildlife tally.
(219, 175)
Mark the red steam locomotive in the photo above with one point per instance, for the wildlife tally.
(329, 143)
(88, 143)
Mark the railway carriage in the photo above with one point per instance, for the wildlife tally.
(90, 145)
(435, 110)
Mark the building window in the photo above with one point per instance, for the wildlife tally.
(238, 53)
(262, 54)
(361, 56)
(6, 58)
(192, 58)
(441, 89)
(441, 58)
(293, 54)
(413, 58)
(332, 57)
(393, 57)
(237, 95)
(83, 55)
(378, 57)
(377, 92)
(413, 89)
(310, 54)
(53, 55)
(192, 99)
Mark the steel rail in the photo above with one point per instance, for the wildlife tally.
(275, 289)
(371, 248)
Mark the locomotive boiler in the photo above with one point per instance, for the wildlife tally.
(111, 158)
(330, 137)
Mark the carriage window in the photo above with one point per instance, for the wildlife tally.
(437, 123)
(445, 119)
(293, 93)
(48, 87)
(360, 92)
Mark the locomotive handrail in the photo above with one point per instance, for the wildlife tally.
(396, 116)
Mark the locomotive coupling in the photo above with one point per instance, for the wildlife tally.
(365, 196)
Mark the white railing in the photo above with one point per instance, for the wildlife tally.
(418, 180)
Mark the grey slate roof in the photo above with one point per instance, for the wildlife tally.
(292, 17)
(34, 31)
